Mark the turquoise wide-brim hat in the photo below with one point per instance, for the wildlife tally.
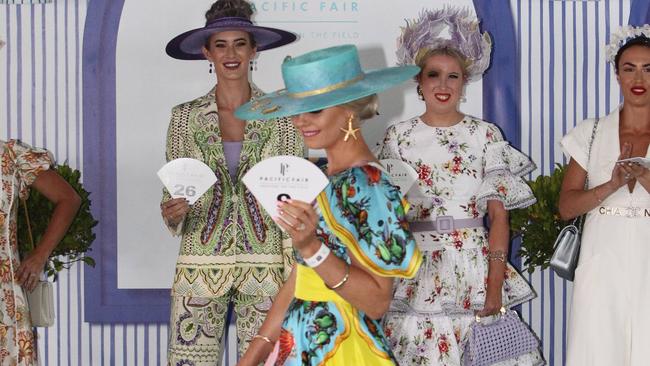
(321, 79)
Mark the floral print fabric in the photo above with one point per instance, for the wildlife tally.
(362, 215)
(459, 169)
(230, 247)
(21, 164)
(228, 241)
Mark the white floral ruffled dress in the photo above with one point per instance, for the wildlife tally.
(459, 169)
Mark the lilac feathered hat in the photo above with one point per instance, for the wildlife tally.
(451, 27)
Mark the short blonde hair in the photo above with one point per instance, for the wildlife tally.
(425, 53)
(363, 108)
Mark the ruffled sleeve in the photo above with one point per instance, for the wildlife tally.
(575, 144)
(365, 211)
(503, 168)
(29, 162)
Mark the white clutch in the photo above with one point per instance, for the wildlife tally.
(41, 304)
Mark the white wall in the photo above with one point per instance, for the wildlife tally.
(149, 83)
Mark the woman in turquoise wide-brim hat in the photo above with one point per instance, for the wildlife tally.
(350, 247)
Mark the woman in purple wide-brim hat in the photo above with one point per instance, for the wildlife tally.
(232, 253)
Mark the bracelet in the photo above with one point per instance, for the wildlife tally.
(343, 281)
(600, 200)
(497, 255)
(264, 338)
(319, 257)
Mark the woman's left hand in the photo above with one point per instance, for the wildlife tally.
(633, 170)
(29, 272)
(493, 303)
(299, 220)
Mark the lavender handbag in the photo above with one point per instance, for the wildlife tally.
(503, 339)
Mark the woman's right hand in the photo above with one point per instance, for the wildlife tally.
(619, 176)
(174, 210)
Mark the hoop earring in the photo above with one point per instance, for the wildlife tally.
(350, 131)
(210, 71)
(419, 90)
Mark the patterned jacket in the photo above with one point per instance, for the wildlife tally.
(228, 240)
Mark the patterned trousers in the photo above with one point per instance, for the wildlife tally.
(197, 326)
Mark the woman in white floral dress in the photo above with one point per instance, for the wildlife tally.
(465, 170)
(24, 167)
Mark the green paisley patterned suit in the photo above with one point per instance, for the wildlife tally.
(231, 250)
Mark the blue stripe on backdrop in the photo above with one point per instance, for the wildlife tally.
(639, 12)
(500, 83)
(19, 73)
(107, 303)
(8, 47)
(500, 89)
(56, 82)
(551, 146)
(607, 69)
(32, 38)
(67, 79)
(564, 112)
(44, 77)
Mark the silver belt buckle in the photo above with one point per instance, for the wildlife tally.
(444, 224)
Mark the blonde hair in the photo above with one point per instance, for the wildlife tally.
(363, 108)
(425, 53)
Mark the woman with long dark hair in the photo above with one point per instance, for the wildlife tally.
(609, 317)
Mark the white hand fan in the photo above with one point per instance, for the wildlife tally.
(188, 178)
(401, 174)
(284, 177)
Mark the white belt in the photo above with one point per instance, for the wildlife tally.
(629, 212)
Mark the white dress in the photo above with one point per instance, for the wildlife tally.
(459, 169)
(610, 312)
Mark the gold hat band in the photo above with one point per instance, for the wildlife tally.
(328, 88)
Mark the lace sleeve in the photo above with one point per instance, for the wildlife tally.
(503, 169)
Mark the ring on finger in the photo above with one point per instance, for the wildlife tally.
(628, 176)
(300, 227)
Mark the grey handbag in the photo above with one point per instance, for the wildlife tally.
(567, 245)
(506, 338)
(567, 251)
(41, 304)
(41, 298)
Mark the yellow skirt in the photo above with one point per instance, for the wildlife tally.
(361, 342)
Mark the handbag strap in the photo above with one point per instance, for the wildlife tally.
(579, 221)
(29, 224)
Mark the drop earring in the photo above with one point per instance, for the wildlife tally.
(350, 131)
(210, 70)
(419, 90)
(253, 65)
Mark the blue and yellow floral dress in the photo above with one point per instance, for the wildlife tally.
(361, 214)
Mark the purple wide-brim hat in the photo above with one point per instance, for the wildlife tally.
(188, 45)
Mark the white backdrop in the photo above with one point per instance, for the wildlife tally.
(149, 84)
